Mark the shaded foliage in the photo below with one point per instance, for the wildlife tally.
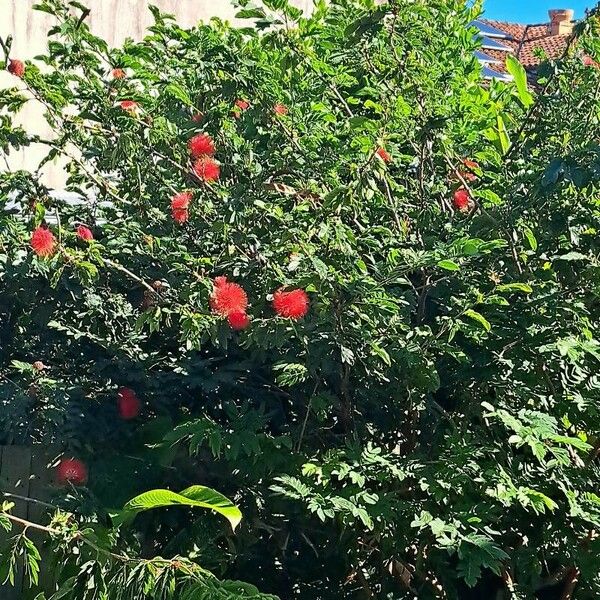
(430, 428)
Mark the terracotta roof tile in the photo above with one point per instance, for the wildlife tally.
(527, 42)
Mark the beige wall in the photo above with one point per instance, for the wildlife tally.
(113, 20)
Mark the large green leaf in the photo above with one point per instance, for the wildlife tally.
(516, 69)
(472, 314)
(196, 495)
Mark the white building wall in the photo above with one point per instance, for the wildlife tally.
(113, 20)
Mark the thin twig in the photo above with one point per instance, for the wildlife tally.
(27, 499)
(129, 274)
(308, 409)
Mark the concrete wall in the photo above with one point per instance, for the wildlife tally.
(113, 20)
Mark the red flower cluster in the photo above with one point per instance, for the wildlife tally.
(16, 67)
(280, 109)
(238, 320)
(588, 61)
(231, 301)
(207, 169)
(43, 241)
(291, 305)
(470, 165)
(179, 206)
(129, 105)
(384, 155)
(130, 405)
(118, 74)
(201, 145)
(228, 298)
(461, 200)
(84, 233)
(242, 104)
(71, 471)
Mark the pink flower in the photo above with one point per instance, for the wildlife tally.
(207, 169)
(238, 320)
(43, 242)
(16, 67)
(71, 470)
(461, 200)
(201, 145)
(228, 298)
(130, 405)
(384, 155)
(83, 233)
(179, 206)
(291, 305)
(280, 109)
(129, 105)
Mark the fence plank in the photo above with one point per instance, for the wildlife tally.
(14, 478)
(39, 487)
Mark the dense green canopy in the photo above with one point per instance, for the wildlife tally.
(429, 428)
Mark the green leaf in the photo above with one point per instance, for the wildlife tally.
(382, 353)
(531, 239)
(502, 134)
(347, 355)
(516, 69)
(515, 287)
(553, 171)
(251, 13)
(472, 314)
(571, 256)
(178, 92)
(196, 495)
(449, 265)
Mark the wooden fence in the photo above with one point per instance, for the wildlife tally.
(25, 472)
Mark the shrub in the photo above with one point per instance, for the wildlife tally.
(342, 280)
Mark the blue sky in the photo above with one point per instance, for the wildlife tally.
(531, 11)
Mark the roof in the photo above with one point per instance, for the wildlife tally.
(526, 42)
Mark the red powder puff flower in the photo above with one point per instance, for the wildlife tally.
(461, 200)
(228, 298)
(71, 471)
(129, 105)
(201, 145)
(207, 169)
(181, 201)
(129, 404)
(384, 155)
(16, 67)
(118, 74)
(181, 215)
(291, 305)
(84, 233)
(280, 109)
(197, 117)
(43, 242)
(238, 320)
(239, 107)
(179, 206)
(588, 61)
(471, 165)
